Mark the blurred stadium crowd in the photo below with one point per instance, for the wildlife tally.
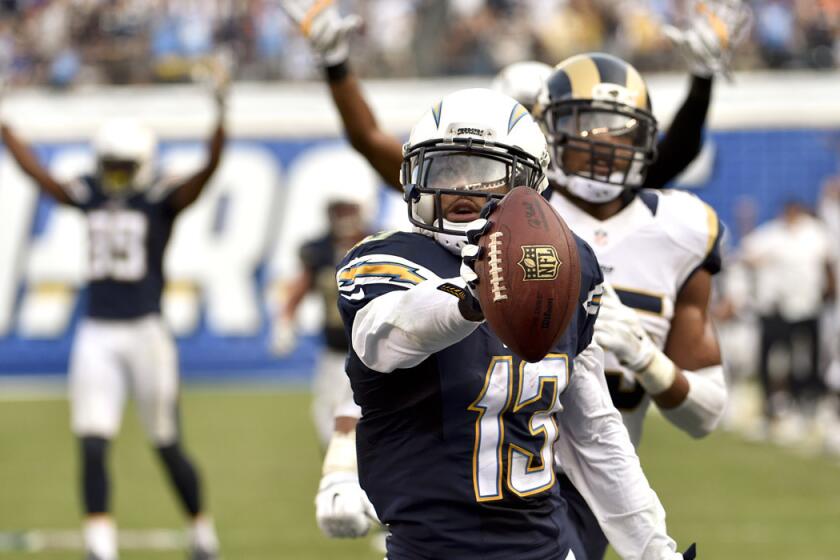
(66, 42)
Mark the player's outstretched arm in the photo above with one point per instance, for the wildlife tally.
(290, 296)
(382, 150)
(399, 328)
(596, 454)
(27, 161)
(707, 43)
(328, 34)
(191, 188)
(683, 140)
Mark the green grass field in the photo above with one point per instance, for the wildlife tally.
(261, 466)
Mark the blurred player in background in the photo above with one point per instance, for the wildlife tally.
(348, 224)
(658, 251)
(448, 475)
(123, 345)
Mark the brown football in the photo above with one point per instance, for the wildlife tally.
(528, 274)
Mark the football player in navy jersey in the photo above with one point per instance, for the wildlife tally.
(455, 441)
(122, 345)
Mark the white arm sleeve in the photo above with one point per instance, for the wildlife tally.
(401, 329)
(703, 407)
(596, 454)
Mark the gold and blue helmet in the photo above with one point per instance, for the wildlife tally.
(596, 114)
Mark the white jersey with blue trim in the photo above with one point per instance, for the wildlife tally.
(647, 252)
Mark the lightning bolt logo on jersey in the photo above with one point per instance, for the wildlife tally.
(647, 252)
(456, 452)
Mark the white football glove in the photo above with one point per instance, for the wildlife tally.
(342, 509)
(471, 252)
(327, 31)
(714, 31)
(619, 330)
(283, 336)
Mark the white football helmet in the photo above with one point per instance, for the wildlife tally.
(522, 81)
(472, 143)
(125, 155)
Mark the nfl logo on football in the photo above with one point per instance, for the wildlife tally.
(539, 262)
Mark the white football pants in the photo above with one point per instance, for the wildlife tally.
(111, 359)
(331, 394)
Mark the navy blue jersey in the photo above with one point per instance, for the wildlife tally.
(456, 453)
(127, 238)
(320, 257)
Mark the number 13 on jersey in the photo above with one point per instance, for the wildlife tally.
(514, 433)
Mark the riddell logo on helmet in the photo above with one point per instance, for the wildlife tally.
(470, 129)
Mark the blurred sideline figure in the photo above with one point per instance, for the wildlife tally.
(707, 43)
(792, 261)
(658, 251)
(122, 345)
(348, 217)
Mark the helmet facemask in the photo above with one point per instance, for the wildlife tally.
(118, 176)
(604, 143)
(442, 175)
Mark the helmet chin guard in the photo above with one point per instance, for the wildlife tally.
(590, 190)
(450, 241)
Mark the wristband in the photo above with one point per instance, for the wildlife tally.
(337, 72)
(658, 376)
(341, 454)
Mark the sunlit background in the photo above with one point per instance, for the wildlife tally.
(753, 489)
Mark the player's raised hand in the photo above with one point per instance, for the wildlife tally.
(220, 77)
(327, 31)
(216, 76)
(714, 31)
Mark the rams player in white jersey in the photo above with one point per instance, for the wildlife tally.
(122, 345)
(658, 250)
